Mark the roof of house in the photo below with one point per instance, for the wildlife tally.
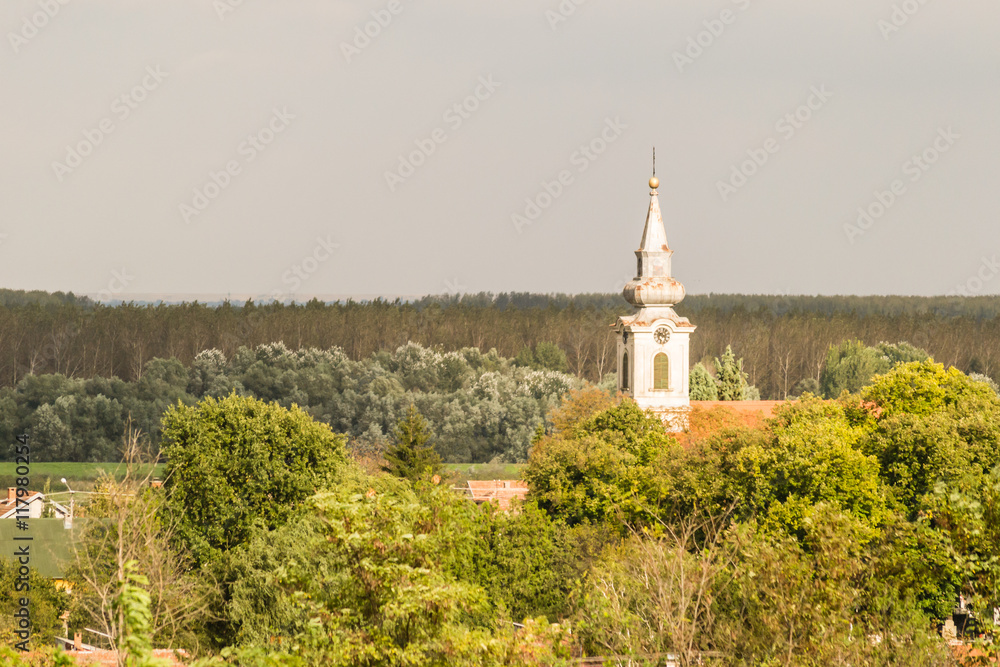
(8, 503)
(766, 408)
(709, 417)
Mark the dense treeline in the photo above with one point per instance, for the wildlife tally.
(481, 406)
(782, 339)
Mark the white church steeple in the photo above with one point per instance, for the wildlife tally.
(653, 342)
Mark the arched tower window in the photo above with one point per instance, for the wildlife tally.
(661, 372)
(625, 372)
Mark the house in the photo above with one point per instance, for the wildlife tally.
(32, 506)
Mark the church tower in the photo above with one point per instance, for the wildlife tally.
(653, 342)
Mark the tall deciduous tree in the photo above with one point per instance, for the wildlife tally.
(850, 366)
(238, 462)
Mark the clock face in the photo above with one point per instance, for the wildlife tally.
(662, 335)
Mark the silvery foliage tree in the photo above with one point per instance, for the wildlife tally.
(979, 377)
(479, 406)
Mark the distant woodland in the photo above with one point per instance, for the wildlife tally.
(783, 340)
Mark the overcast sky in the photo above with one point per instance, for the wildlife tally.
(262, 147)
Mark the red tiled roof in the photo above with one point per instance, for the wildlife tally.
(742, 407)
(10, 501)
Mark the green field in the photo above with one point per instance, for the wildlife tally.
(80, 476)
(463, 472)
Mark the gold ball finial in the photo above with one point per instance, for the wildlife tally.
(654, 182)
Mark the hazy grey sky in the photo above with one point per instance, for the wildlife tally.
(117, 113)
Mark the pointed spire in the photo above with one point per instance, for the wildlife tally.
(654, 236)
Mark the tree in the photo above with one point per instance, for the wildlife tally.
(654, 595)
(525, 358)
(902, 353)
(703, 387)
(807, 386)
(601, 471)
(850, 366)
(410, 457)
(238, 462)
(927, 425)
(368, 579)
(47, 604)
(550, 356)
(732, 381)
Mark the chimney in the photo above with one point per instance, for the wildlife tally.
(78, 641)
(11, 494)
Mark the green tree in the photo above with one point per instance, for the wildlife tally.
(703, 387)
(47, 604)
(927, 425)
(410, 457)
(525, 561)
(368, 579)
(236, 463)
(525, 358)
(902, 353)
(550, 356)
(602, 470)
(851, 366)
(732, 381)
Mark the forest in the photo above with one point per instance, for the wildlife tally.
(782, 339)
(484, 369)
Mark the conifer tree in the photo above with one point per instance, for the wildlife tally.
(731, 378)
(410, 457)
(703, 387)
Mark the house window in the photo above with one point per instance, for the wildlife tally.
(661, 372)
(625, 372)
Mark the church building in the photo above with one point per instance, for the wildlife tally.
(653, 342)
